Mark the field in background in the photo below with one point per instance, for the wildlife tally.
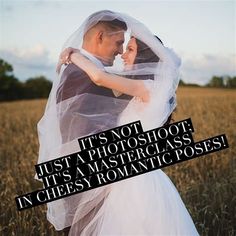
(206, 184)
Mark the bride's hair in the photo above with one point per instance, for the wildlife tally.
(146, 55)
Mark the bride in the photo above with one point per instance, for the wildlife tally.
(147, 204)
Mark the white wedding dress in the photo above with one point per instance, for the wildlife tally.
(148, 204)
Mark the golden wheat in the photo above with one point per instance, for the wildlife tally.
(206, 184)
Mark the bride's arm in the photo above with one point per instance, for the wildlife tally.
(131, 87)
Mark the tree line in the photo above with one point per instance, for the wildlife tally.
(13, 89)
(39, 87)
(215, 82)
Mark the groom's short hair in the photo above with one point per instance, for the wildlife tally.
(110, 25)
(113, 25)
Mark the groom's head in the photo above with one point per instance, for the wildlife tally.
(105, 38)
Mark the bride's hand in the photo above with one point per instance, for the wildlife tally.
(65, 57)
(146, 96)
(143, 93)
(66, 53)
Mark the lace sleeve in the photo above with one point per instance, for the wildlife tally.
(116, 93)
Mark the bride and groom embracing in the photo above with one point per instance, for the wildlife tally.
(91, 96)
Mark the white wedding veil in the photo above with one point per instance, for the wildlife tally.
(66, 120)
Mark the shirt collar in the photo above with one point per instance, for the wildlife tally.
(92, 58)
(99, 64)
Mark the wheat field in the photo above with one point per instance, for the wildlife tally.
(206, 184)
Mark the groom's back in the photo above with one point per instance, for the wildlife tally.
(75, 81)
(84, 106)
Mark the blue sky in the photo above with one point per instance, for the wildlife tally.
(203, 33)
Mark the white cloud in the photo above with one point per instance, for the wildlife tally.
(200, 69)
(30, 62)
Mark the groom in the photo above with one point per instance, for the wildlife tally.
(101, 44)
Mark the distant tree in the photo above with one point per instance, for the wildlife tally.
(181, 83)
(231, 82)
(10, 87)
(5, 68)
(216, 81)
(193, 85)
(37, 87)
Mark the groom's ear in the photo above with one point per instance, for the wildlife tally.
(100, 36)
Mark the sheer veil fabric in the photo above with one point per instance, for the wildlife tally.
(99, 211)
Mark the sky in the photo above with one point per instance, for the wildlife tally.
(202, 33)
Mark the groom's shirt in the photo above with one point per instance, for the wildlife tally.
(92, 58)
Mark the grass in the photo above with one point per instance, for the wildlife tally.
(206, 184)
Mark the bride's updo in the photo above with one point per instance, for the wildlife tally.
(144, 53)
